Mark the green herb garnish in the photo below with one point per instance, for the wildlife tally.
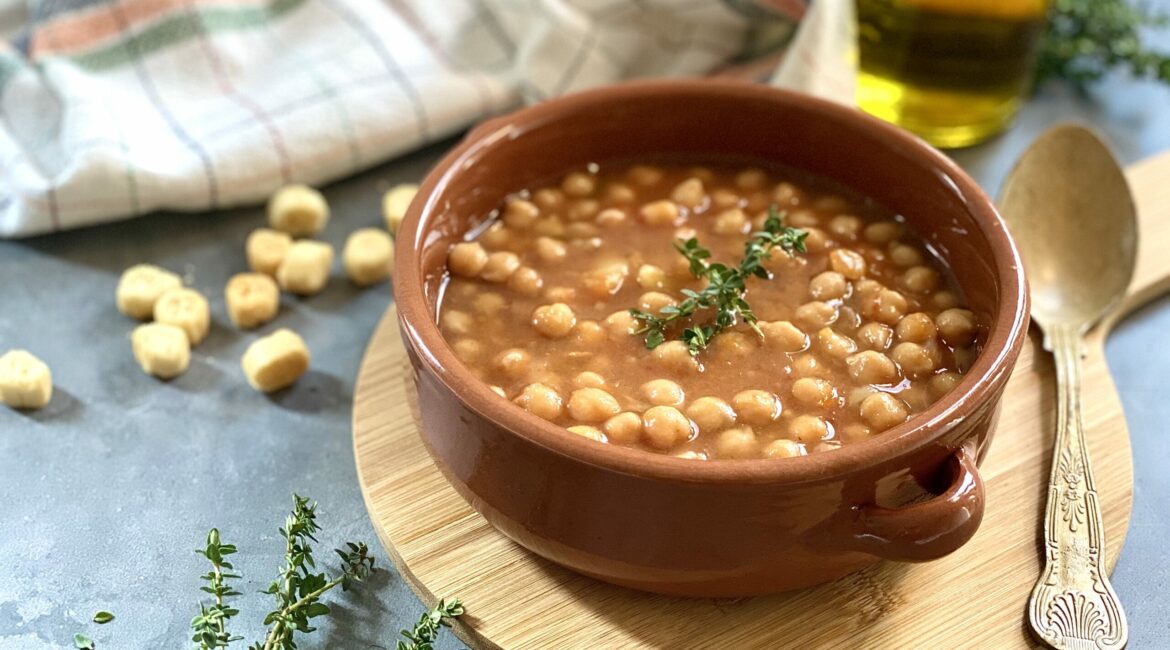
(211, 624)
(423, 636)
(103, 617)
(82, 642)
(725, 286)
(1087, 38)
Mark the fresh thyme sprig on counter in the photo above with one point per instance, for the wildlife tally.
(423, 636)
(725, 286)
(1087, 38)
(210, 625)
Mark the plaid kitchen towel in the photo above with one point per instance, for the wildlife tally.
(115, 108)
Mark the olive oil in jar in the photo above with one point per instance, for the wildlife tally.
(952, 71)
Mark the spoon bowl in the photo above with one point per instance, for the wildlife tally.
(1069, 206)
(1070, 209)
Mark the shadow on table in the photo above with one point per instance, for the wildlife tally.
(316, 391)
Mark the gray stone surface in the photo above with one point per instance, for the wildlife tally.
(106, 492)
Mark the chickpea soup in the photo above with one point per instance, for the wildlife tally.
(660, 307)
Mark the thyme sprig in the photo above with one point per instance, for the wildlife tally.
(1087, 38)
(298, 588)
(725, 288)
(210, 625)
(423, 636)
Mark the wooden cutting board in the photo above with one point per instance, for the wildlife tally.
(974, 598)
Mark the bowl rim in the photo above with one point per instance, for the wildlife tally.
(981, 384)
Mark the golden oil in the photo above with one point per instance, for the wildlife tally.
(952, 71)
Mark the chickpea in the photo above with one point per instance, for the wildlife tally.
(829, 285)
(737, 442)
(581, 230)
(875, 336)
(756, 406)
(675, 356)
(526, 281)
(888, 307)
(660, 213)
(651, 277)
(965, 358)
(866, 288)
(620, 193)
(854, 433)
(685, 234)
(834, 345)
(645, 175)
(751, 179)
(665, 427)
(549, 227)
(732, 222)
(663, 392)
(872, 367)
(916, 328)
(816, 314)
(588, 244)
(814, 392)
(583, 210)
(623, 428)
(882, 411)
(802, 218)
(734, 343)
(500, 266)
(806, 365)
(783, 448)
(592, 433)
(497, 236)
(520, 214)
(786, 193)
(956, 327)
(606, 279)
(904, 255)
(808, 429)
(554, 321)
(722, 198)
(513, 362)
(588, 334)
(549, 199)
(540, 400)
(689, 193)
(467, 259)
(848, 320)
(783, 336)
(588, 379)
(456, 322)
(578, 184)
(498, 391)
(560, 294)
(917, 397)
(654, 301)
(468, 350)
(711, 414)
(830, 203)
(915, 360)
(945, 300)
(920, 279)
(815, 241)
(620, 324)
(610, 217)
(882, 232)
(489, 303)
(943, 383)
(848, 263)
(845, 226)
(592, 405)
(858, 395)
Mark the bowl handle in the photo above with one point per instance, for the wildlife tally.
(930, 529)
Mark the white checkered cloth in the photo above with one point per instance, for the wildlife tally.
(116, 108)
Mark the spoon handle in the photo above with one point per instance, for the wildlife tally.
(1073, 606)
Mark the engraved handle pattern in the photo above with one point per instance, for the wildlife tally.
(1073, 606)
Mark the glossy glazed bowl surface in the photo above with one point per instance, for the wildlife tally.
(722, 527)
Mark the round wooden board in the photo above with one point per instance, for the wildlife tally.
(974, 598)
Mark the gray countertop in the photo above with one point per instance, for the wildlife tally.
(108, 490)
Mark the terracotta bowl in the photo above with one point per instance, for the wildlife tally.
(721, 527)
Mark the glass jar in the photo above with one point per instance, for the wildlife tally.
(952, 71)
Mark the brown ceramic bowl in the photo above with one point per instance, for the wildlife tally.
(720, 527)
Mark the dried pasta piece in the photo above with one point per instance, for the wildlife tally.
(140, 287)
(275, 361)
(25, 381)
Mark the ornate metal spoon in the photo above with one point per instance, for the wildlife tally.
(1070, 209)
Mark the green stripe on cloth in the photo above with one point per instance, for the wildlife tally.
(178, 28)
